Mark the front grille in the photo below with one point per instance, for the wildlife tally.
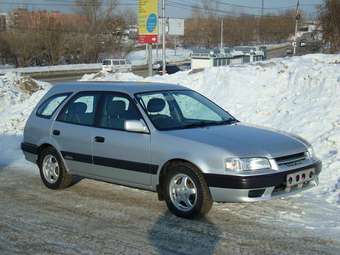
(291, 160)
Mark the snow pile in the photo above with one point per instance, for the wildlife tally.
(106, 76)
(18, 96)
(299, 95)
(139, 57)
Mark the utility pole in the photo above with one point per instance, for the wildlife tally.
(163, 38)
(261, 21)
(149, 52)
(221, 35)
(297, 17)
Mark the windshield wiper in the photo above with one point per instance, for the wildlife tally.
(210, 123)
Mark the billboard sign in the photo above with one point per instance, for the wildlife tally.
(176, 26)
(147, 21)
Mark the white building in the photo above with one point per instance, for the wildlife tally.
(227, 56)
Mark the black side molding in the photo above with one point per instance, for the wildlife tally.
(255, 181)
(29, 147)
(110, 162)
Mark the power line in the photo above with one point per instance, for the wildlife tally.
(253, 7)
(211, 10)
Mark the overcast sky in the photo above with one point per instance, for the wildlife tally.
(175, 8)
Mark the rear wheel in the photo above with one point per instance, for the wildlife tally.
(52, 170)
(186, 192)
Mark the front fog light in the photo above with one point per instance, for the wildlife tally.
(247, 164)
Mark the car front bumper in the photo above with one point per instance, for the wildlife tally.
(252, 188)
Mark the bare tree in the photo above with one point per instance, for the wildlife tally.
(202, 30)
(96, 10)
(329, 17)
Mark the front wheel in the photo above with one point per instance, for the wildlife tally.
(186, 192)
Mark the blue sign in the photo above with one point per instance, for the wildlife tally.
(151, 22)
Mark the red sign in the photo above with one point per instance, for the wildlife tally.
(142, 39)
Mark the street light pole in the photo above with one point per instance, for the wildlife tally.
(163, 38)
(297, 17)
(222, 34)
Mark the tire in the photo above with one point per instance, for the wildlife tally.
(180, 182)
(52, 170)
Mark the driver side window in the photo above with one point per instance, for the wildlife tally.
(117, 109)
(166, 109)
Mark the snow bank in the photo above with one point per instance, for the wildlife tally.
(299, 95)
(105, 76)
(18, 96)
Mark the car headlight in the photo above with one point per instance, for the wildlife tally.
(310, 152)
(247, 164)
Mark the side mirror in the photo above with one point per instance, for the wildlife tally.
(136, 126)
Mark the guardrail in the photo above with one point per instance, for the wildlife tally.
(68, 70)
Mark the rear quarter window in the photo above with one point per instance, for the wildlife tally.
(50, 105)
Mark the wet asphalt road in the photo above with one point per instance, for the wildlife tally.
(99, 218)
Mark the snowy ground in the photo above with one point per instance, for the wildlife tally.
(277, 45)
(299, 95)
(18, 96)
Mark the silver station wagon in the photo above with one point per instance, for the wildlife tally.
(163, 138)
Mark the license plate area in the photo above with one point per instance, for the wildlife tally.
(298, 179)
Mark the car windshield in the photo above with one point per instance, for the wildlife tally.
(180, 109)
(107, 62)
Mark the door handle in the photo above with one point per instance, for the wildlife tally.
(56, 132)
(99, 139)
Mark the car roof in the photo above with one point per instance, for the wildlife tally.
(130, 87)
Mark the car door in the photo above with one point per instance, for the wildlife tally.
(73, 132)
(121, 156)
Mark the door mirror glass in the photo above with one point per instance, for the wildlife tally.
(136, 126)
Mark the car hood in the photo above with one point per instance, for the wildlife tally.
(244, 140)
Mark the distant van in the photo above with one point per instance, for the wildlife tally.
(116, 65)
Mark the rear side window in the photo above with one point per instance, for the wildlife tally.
(80, 110)
(49, 106)
(116, 110)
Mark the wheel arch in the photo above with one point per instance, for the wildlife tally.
(45, 145)
(165, 168)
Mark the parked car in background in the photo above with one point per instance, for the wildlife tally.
(289, 51)
(157, 64)
(116, 65)
(164, 138)
(303, 43)
(170, 69)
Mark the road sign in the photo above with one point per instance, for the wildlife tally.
(176, 26)
(148, 21)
